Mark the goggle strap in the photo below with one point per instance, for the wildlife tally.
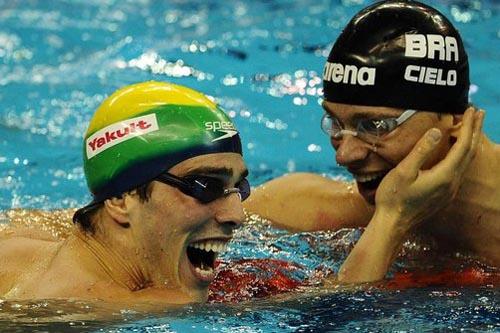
(173, 180)
(345, 131)
(404, 116)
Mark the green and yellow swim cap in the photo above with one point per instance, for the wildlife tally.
(144, 129)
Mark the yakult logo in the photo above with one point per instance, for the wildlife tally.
(349, 74)
(119, 132)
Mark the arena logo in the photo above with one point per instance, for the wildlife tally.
(430, 45)
(221, 126)
(119, 132)
(349, 74)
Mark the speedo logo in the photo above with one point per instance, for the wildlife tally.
(221, 126)
(349, 74)
(119, 132)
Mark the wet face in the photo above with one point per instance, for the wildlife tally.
(369, 162)
(178, 237)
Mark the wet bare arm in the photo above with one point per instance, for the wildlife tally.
(309, 202)
(407, 196)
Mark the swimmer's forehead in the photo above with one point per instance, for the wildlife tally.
(224, 165)
(359, 111)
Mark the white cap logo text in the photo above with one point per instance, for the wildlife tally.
(349, 74)
(421, 46)
(431, 46)
(116, 133)
(221, 126)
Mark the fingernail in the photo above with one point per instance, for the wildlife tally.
(435, 134)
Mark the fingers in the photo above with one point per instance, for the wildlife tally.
(476, 135)
(475, 141)
(412, 163)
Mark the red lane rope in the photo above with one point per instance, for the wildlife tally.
(447, 278)
(255, 278)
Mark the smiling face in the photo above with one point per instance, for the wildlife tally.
(178, 238)
(369, 162)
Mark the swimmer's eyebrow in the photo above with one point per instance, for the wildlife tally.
(216, 171)
(364, 115)
(370, 115)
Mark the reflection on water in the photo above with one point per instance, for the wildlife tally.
(314, 310)
(270, 280)
(262, 61)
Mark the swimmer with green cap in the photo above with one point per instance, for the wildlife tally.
(165, 168)
(164, 165)
(398, 74)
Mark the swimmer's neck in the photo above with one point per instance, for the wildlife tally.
(102, 261)
(121, 278)
(470, 221)
(481, 182)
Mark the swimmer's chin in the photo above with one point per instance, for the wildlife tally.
(367, 194)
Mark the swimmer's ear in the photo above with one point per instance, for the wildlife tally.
(117, 208)
(457, 123)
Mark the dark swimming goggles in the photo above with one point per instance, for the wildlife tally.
(205, 188)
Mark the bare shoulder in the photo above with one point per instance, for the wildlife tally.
(307, 202)
(23, 247)
(28, 241)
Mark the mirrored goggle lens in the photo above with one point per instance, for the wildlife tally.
(208, 189)
(205, 189)
(326, 124)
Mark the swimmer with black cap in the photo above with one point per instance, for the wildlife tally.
(397, 73)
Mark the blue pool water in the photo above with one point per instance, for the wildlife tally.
(262, 61)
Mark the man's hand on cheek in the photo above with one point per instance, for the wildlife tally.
(413, 194)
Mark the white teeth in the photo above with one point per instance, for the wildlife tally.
(206, 271)
(368, 177)
(210, 245)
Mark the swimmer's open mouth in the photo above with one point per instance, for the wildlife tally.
(202, 255)
(368, 183)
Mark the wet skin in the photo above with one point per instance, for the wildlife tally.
(363, 159)
(139, 251)
(470, 221)
(467, 222)
(189, 222)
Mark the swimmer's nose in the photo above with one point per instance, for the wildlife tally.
(229, 210)
(350, 150)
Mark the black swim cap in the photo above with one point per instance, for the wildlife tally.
(400, 54)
